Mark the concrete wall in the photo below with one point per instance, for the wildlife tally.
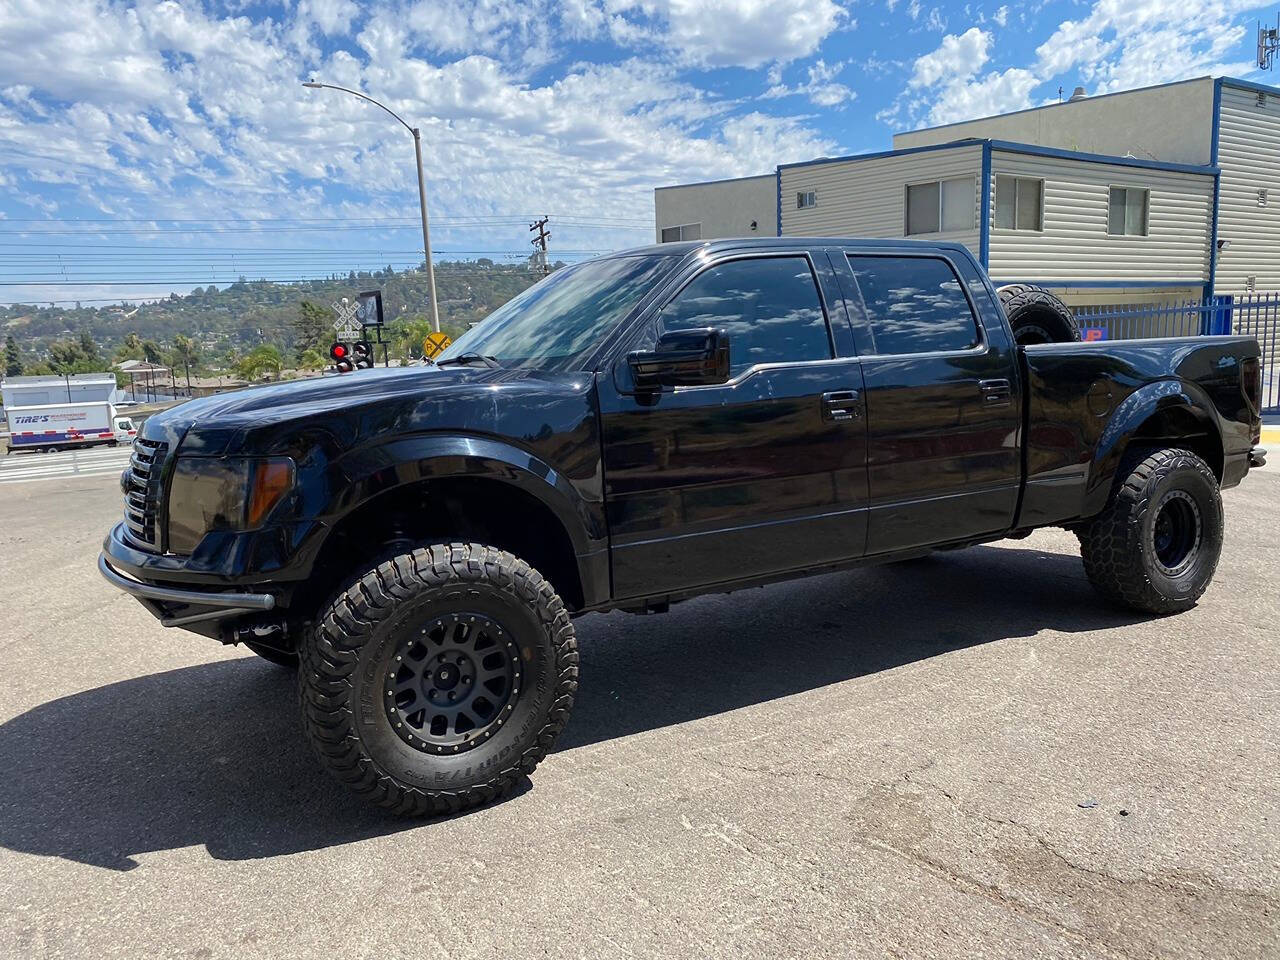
(866, 197)
(724, 208)
(1249, 157)
(1173, 122)
(1074, 244)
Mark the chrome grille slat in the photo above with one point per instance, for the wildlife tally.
(142, 494)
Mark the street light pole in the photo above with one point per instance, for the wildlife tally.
(422, 187)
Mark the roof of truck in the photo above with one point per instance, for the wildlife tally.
(682, 247)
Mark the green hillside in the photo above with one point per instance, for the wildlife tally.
(219, 329)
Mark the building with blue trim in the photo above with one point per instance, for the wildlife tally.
(1162, 193)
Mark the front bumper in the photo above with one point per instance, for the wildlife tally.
(205, 611)
(1258, 457)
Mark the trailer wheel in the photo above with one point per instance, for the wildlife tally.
(439, 679)
(1156, 544)
(1037, 316)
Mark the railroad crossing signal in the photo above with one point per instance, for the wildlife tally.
(340, 354)
(434, 344)
(348, 324)
(362, 354)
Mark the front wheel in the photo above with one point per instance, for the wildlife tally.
(437, 680)
(1156, 545)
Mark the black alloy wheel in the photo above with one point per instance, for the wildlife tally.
(453, 683)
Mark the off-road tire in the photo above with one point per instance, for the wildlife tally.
(1037, 316)
(280, 658)
(1119, 545)
(346, 657)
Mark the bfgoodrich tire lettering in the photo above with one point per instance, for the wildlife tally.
(1156, 545)
(349, 663)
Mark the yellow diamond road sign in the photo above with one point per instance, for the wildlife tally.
(434, 344)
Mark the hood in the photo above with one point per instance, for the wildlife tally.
(351, 408)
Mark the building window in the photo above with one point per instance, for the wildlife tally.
(914, 305)
(769, 306)
(940, 206)
(1127, 211)
(1019, 203)
(688, 231)
(806, 198)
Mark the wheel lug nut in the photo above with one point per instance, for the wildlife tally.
(452, 696)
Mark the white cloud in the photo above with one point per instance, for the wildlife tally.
(1001, 16)
(821, 88)
(205, 116)
(947, 84)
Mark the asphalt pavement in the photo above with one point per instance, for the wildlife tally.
(969, 755)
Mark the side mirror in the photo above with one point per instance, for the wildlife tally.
(682, 358)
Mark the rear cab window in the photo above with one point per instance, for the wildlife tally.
(914, 305)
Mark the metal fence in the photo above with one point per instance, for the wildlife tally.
(1254, 315)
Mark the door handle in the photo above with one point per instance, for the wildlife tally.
(995, 393)
(841, 405)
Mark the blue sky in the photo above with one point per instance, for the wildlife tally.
(160, 145)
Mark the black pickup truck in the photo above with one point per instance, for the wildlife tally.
(643, 428)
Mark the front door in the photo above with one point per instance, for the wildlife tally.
(760, 475)
(943, 403)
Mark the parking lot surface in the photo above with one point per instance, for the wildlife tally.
(969, 755)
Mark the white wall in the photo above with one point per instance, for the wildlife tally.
(725, 208)
(1173, 122)
(1074, 244)
(1249, 157)
(867, 197)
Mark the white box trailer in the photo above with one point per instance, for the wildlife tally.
(54, 426)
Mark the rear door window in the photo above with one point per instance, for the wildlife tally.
(914, 305)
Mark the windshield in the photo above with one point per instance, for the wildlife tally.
(558, 319)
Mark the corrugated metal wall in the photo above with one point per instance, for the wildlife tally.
(866, 198)
(1075, 246)
(1249, 157)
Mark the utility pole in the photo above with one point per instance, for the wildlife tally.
(540, 241)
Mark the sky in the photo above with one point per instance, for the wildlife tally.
(157, 146)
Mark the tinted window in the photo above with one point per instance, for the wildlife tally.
(552, 323)
(914, 304)
(768, 306)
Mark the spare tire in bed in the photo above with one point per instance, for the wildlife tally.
(1037, 316)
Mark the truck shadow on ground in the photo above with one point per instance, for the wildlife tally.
(212, 754)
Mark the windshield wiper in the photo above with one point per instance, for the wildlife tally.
(466, 358)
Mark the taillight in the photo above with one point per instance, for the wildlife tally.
(1251, 381)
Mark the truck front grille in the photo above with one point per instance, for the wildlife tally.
(142, 492)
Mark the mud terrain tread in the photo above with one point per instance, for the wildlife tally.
(1109, 544)
(331, 655)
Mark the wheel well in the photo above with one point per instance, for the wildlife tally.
(475, 509)
(1186, 428)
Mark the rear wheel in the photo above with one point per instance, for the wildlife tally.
(437, 680)
(1156, 545)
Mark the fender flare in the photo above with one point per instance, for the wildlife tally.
(1127, 418)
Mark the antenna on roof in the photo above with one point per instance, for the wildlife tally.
(1268, 44)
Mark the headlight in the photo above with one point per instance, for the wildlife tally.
(207, 495)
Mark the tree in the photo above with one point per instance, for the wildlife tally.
(89, 347)
(151, 351)
(186, 353)
(130, 349)
(312, 327)
(260, 360)
(312, 360)
(12, 358)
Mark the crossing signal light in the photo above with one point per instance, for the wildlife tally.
(362, 354)
(340, 354)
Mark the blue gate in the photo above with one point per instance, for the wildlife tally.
(1254, 315)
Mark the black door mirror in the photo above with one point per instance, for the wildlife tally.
(682, 358)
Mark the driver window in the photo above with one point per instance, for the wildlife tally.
(769, 307)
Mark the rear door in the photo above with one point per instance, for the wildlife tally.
(760, 475)
(943, 404)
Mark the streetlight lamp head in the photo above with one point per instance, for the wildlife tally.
(311, 83)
